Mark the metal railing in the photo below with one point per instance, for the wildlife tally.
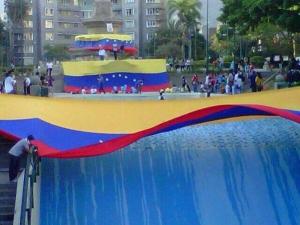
(31, 172)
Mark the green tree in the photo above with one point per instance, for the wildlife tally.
(16, 10)
(167, 42)
(273, 40)
(56, 52)
(4, 40)
(246, 15)
(187, 15)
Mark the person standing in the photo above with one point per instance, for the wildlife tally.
(26, 85)
(195, 83)
(9, 83)
(100, 80)
(15, 154)
(252, 77)
(259, 82)
(101, 53)
(49, 68)
(115, 50)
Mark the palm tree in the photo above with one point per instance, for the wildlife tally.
(187, 14)
(16, 12)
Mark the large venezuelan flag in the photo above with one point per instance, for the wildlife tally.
(94, 42)
(84, 74)
(67, 128)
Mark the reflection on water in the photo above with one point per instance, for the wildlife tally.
(234, 173)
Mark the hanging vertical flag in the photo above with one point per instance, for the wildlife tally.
(109, 28)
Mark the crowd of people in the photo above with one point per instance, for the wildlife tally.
(182, 65)
(233, 82)
(123, 89)
(8, 82)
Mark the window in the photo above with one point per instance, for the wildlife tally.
(132, 35)
(129, 1)
(114, 1)
(65, 13)
(152, 23)
(129, 12)
(152, 1)
(49, 12)
(68, 25)
(87, 14)
(150, 36)
(18, 36)
(152, 11)
(62, 36)
(29, 11)
(48, 24)
(49, 1)
(28, 23)
(28, 48)
(49, 36)
(28, 36)
(129, 23)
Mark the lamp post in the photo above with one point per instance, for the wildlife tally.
(195, 44)
(207, 58)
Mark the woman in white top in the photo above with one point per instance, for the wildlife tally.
(9, 84)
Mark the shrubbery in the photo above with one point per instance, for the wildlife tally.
(257, 61)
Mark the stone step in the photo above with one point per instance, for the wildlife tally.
(7, 201)
(9, 209)
(7, 193)
(7, 217)
(6, 222)
(8, 186)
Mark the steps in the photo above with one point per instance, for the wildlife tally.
(7, 190)
(7, 203)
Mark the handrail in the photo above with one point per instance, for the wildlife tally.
(30, 174)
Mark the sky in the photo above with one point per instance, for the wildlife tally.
(1, 8)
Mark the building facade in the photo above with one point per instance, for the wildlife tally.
(57, 22)
(46, 22)
(141, 19)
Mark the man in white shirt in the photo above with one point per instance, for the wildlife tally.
(26, 85)
(49, 68)
(9, 84)
(102, 53)
(15, 154)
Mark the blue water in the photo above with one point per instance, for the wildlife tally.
(223, 174)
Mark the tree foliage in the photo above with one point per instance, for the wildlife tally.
(16, 10)
(246, 15)
(167, 42)
(56, 52)
(4, 44)
(186, 14)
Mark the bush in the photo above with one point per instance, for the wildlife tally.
(257, 61)
(228, 58)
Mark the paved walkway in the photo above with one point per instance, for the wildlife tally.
(143, 96)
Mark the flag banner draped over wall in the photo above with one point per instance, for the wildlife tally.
(66, 128)
(116, 74)
(93, 42)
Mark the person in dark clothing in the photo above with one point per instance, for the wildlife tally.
(15, 154)
(290, 78)
(185, 84)
(100, 80)
(252, 78)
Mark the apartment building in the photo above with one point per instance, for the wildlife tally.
(23, 37)
(53, 22)
(46, 22)
(141, 19)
